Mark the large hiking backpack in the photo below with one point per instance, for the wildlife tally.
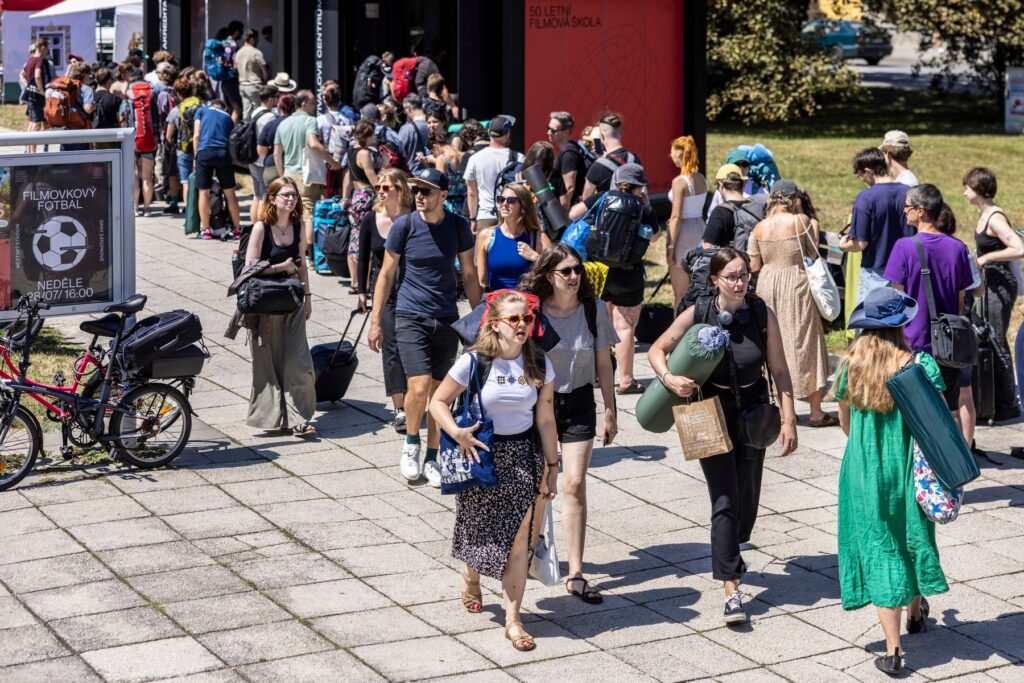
(186, 123)
(618, 238)
(242, 141)
(403, 77)
(143, 116)
(697, 264)
(340, 136)
(611, 161)
(746, 217)
(220, 216)
(215, 61)
(64, 104)
(330, 220)
(507, 175)
(369, 78)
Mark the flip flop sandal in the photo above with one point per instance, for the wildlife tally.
(522, 643)
(634, 388)
(827, 421)
(304, 430)
(587, 595)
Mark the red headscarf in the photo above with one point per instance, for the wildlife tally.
(532, 305)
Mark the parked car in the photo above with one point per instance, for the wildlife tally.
(843, 39)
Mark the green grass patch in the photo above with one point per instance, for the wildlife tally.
(13, 116)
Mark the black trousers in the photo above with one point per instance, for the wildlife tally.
(394, 373)
(1000, 293)
(734, 485)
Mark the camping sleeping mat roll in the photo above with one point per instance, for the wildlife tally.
(695, 356)
(928, 418)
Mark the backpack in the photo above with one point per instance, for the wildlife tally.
(610, 162)
(390, 155)
(64, 104)
(214, 56)
(508, 174)
(186, 123)
(369, 78)
(403, 75)
(107, 105)
(340, 136)
(142, 108)
(618, 238)
(587, 156)
(745, 218)
(697, 263)
(242, 141)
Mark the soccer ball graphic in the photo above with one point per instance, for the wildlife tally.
(59, 243)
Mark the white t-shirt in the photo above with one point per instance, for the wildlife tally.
(507, 396)
(907, 177)
(484, 167)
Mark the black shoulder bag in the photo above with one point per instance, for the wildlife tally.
(761, 424)
(954, 341)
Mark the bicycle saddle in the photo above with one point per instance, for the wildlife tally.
(103, 327)
(133, 304)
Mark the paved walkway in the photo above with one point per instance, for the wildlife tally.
(272, 559)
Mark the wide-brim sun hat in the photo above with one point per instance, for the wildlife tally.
(883, 308)
(283, 82)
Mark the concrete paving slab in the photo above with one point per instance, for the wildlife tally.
(157, 659)
(264, 642)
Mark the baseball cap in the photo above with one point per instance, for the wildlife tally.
(724, 171)
(784, 187)
(369, 112)
(137, 52)
(632, 174)
(896, 138)
(430, 177)
(500, 125)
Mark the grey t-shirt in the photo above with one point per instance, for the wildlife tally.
(573, 356)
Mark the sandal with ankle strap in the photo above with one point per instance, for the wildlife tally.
(588, 594)
(522, 643)
(472, 600)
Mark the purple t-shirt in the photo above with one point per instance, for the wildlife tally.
(878, 219)
(950, 266)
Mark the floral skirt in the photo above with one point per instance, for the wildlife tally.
(360, 204)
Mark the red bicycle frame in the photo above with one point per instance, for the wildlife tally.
(8, 370)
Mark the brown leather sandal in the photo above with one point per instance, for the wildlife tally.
(524, 642)
(472, 600)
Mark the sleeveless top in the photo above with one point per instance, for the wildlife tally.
(274, 252)
(693, 204)
(355, 169)
(747, 343)
(504, 264)
(985, 242)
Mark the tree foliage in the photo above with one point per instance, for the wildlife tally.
(760, 69)
(985, 36)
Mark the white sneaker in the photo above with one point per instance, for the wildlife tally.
(432, 471)
(410, 464)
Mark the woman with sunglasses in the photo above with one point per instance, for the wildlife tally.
(496, 526)
(362, 171)
(734, 478)
(581, 356)
(283, 391)
(505, 252)
(394, 199)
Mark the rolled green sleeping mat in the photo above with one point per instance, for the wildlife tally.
(696, 356)
(928, 418)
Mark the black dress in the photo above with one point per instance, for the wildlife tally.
(1000, 293)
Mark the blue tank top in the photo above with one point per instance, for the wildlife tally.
(504, 264)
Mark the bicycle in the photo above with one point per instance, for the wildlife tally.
(149, 424)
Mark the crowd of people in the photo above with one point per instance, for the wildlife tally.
(438, 207)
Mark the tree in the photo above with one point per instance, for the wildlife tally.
(760, 69)
(985, 36)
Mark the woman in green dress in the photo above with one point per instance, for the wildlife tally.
(887, 551)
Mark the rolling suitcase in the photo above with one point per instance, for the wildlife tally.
(335, 363)
(983, 384)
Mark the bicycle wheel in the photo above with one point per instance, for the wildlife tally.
(151, 425)
(19, 449)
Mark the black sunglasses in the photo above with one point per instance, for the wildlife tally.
(425, 191)
(570, 270)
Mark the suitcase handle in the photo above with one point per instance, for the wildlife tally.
(344, 333)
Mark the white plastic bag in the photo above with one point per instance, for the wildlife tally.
(544, 566)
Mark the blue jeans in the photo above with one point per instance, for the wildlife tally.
(185, 165)
(869, 280)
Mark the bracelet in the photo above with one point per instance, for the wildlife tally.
(667, 372)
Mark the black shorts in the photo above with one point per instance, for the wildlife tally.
(231, 93)
(211, 161)
(34, 109)
(951, 378)
(426, 346)
(576, 415)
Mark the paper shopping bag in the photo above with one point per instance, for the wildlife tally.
(702, 429)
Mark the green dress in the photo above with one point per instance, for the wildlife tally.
(887, 551)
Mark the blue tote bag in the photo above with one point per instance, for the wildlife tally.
(460, 472)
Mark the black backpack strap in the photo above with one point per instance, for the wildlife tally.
(590, 313)
(929, 295)
(702, 311)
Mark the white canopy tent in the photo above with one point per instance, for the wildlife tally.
(70, 6)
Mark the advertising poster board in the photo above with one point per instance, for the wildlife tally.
(1015, 99)
(625, 57)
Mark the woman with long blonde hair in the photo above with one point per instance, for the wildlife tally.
(495, 527)
(887, 551)
(686, 223)
(506, 252)
(393, 199)
(283, 390)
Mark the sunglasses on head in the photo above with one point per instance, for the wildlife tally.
(506, 200)
(514, 320)
(383, 188)
(425, 191)
(569, 270)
